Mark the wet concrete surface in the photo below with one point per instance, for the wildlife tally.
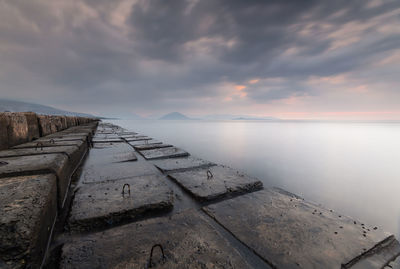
(137, 139)
(163, 153)
(79, 133)
(288, 232)
(73, 153)
(106, 153)
(40, 164)
(63, 138)
(187, 240)
(206, 184)
(108, 203)
(151, 146)
(143, 142)
(27, 214)
(38, 144)
(107, 140)
(378, 256)
(180, 164)
(114, 171)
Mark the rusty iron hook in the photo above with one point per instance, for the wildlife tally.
(39, 144)
(129, 189)
(151, 254)
(209, 174)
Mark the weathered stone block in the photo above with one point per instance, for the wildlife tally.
(108, 140)
(163, 153)
(39, 164)
(188, 241)
(27, 213)
(74, 154)
(291, 233)
(44, 125)
(141, 138)
(180, 164)
(106, 153)
(47, 143)
(214, 182)
(17, 128)
(109, 203)
(33, 126)
(4, 132)
(115, 171)
(143, 142)
(151, 146)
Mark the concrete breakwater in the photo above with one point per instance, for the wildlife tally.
(20, 127)
(139, 203)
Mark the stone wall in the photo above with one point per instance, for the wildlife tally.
(21, 127)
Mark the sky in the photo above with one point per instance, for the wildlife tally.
(298, 59)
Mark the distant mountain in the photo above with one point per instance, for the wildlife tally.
(17, 106)
(174, 116)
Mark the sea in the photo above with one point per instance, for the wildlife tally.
(350, 167)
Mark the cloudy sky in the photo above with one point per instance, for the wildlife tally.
(289, 59)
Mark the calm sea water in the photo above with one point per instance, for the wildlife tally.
(353, 168)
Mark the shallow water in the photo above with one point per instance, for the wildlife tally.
(353, 168)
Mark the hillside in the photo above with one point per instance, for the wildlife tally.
(18, 106)
(174, 116)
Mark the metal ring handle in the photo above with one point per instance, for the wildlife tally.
(151, 254)
(129, 189)
(209, 174)
(39, 144)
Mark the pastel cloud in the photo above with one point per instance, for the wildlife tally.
(288, 58)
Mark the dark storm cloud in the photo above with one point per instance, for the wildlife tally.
(157, 54)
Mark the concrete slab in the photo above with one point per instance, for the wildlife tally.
(27, 213)
(33, 126)
(291, 233)
(106, 153)
(137, 139)
(127, 133)
(163, 153)
(45, 126)
(73, 153)
(108, 203)
(4, 132)
(151, 146)
(40, 164)
(62, 139)
(180, 164)
(17, 128)
(206, 184)
(187, 239)
(133, 136)
(68, 134)
(106, 136)
(49, 143)
(108, 140)
(143, 142)
(94, 173)
(378, 257)
(393, 264)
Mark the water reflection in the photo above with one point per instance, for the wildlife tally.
(353, 168)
